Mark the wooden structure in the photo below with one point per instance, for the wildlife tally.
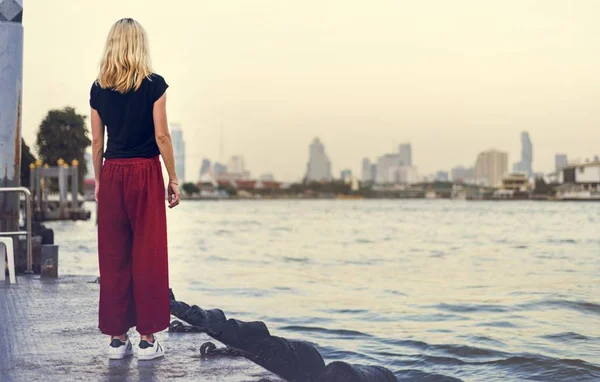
(68, 206)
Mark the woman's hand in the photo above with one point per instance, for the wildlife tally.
(174, 194)
(97, 190)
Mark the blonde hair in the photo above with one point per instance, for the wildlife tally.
(126, 59)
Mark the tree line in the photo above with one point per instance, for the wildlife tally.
(62, 134)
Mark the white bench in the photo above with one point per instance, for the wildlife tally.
(6, 238)
(6, 247)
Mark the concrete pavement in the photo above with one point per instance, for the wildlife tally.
(48, 331)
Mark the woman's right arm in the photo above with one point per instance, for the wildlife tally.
(165, 146)
(97, 145)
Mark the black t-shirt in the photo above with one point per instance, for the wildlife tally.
(128, 118)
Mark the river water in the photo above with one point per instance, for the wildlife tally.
(433, 290)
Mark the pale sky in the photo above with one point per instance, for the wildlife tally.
(452, 77)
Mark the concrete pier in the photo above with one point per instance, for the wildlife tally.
(48, 332)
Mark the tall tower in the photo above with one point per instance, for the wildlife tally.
(405, 151)
(526, 164)
(205, 169)
(179, 150)
(222, 145)
(560, 161)
(367, 173)
(318, 167)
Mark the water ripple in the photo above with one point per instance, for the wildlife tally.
(579, 306)
(472, 308)
(567, 337)
(337, 332)
(418, 375)
(434, 290)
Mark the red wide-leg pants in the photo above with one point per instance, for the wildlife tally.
(132, 247)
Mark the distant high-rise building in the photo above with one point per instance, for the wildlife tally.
(205, 168)
(90, 166)
(373, 171)
(318, 167)
(267, 177)
(179, 150)
(405, 151)
(235, 169)
(463, 174)
(525, 165)
(402, 175)
(491, 166)
(367, 171)
(560, 161)
(219, 169)
(392, 170)
(385, 164)
(236, 164)
(346, 175)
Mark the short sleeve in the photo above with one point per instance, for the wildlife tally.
(159, 87)
(94, 96)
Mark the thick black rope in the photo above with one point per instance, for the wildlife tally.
(295, 361)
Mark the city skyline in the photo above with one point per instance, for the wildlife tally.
(390, 167)
(471, 75)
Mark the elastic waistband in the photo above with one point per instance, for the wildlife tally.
(131, 161)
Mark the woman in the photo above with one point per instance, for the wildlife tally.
(130, 101)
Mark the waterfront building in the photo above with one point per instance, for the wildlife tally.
(318, 167)
(490, 167)
(346, 176)
(178, 150)
(580, 181)
(514, 186)
(516, 182)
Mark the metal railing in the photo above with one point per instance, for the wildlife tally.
(27, 193)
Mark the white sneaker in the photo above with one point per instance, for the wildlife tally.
(148, 351)
(119, 349)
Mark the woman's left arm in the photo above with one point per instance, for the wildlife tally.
(97, 145)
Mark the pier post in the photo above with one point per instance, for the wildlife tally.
(11, 78)
(74, 184)
(32, 185)
(63, 187)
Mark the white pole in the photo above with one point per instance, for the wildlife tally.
(11, 77)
